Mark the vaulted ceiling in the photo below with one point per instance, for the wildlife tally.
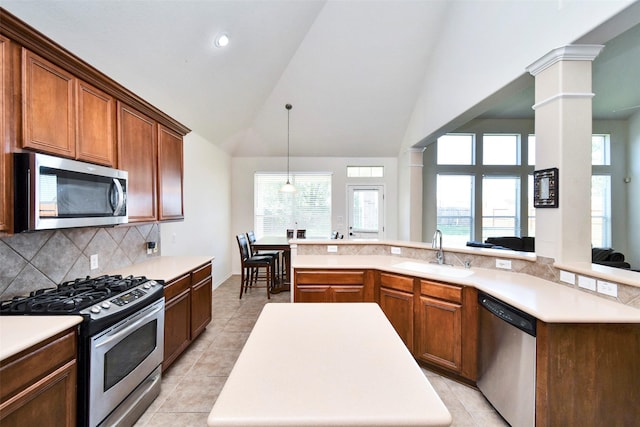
(351, 69)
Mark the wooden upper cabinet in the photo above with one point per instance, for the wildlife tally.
(48, 106)
(65, 116)
(96, 112)
(137, 142)
(170, 175)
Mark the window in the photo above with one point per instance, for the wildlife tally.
(601, 211)
(455, 149)
(601, 191)
(500, 201)
(500, 149)
(455, 208)
(480, 200)
(308, 208)
(365, 171)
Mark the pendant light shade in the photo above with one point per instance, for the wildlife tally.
(288, 187)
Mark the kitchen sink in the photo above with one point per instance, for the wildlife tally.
(440, 270)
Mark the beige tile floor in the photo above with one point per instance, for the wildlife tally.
(190, 386)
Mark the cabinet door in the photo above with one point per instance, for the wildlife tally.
(398, 307)
(200, 306)
(313, 294)
(170, 175)
(439, 333)
(137, 154)
(177, 327)
(49, 402)
(48, 107)
(96, 113)
(5, 156)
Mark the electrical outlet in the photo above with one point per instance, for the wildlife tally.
(504, 264)
(395, 250)
(94, 261)
(608, 288)
(332, 248)
(587, 283)
(567, 277)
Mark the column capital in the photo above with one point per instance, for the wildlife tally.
(573, 52)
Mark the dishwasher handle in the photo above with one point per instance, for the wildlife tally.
(521, 320)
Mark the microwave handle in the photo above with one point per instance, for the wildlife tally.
(120, 196)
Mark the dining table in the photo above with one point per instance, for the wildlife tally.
(277, 243)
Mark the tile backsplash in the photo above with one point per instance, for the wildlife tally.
(43, 259)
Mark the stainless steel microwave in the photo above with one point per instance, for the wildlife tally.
(52, 192)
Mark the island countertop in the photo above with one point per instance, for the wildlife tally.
(547, 301)
(326, 365)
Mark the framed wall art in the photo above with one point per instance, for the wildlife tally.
(545, 188)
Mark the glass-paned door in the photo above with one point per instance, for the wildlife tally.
(366, 211)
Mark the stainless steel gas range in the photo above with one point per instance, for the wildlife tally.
(121, 342)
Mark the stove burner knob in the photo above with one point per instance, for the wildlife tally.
(95, 309)
(146, 286)
(106, 305)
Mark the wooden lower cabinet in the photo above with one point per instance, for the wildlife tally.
(201, 298)
(187, 311)
(38, 386)
(333, 286)
(447, 327)
(177, 327)
(397, 302)
(587, 374)
(439, 333)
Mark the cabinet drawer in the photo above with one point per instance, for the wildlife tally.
(441, 291)
(202, 273)
(35, 363)
(393, 281)
(176, 287)
(330, 277)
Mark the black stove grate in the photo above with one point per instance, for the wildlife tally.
(70, 297)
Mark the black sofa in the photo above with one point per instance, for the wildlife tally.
(602, 256)
(608, 257)
(523, 244)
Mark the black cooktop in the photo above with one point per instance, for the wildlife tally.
(70, 297)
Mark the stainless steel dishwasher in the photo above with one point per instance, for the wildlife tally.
(507, 360)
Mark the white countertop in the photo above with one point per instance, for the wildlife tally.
(164, 267)
(18, 333)
(326, 365)
(547, 301)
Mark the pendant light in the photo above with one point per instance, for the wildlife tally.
(288, 187)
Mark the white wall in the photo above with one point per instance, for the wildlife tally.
(207, 201)
(477, 57)
(244, 168)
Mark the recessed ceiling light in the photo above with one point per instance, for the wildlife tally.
(221, 40)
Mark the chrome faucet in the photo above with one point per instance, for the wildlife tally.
(437, 243)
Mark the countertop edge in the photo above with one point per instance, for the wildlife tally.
(542, 296)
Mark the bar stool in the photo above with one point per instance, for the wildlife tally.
(251, 238)
(249, 263)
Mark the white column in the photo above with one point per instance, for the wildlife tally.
(410, 195)
(563, 122)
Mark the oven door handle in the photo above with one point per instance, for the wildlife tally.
(128, 327)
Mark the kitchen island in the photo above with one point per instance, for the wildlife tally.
(326, 365)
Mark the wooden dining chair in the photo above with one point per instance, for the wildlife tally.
(250, 262)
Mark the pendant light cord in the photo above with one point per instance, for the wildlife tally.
(288, 107)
